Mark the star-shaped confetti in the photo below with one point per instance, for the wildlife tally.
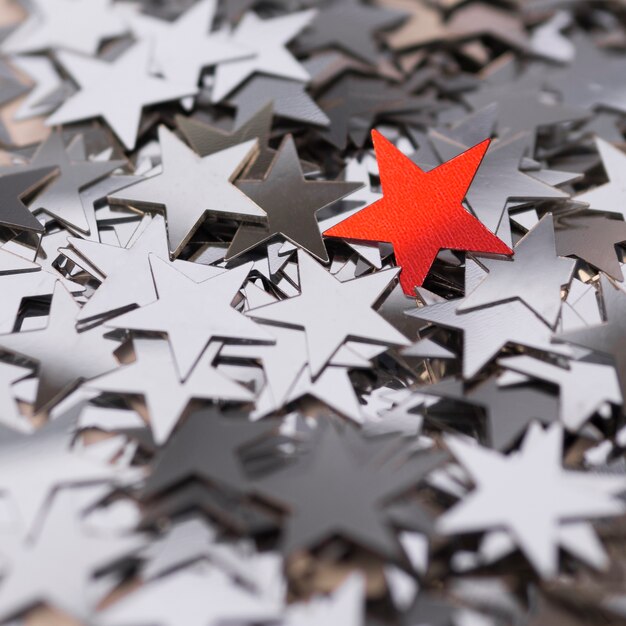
(101, 83)
(187, 182)
(420, 212)
(327, 330)
(207, 313)
(271, 196)
(502, 499)
(93, 352)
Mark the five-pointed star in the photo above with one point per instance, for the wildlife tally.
(13, 187)
(61, 198)
(182, 48)
(584, 387)
(348, 25)
(275, 194)
(50, 27)
(207, 446)
(498, 179)
(592, 238)
(192, 314)
(29, 578)
(531, 479)
(487, 330)
(327, 328)
(535, 276)
(35, 466)
(267, 40)
(421, 212)
(154, 376)
(116, 91)
(609, 337)
(190, 187)
(610, 197)
(350, 504)
(127, 276)
(92, 354)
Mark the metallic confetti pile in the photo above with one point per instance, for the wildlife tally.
(312, 313)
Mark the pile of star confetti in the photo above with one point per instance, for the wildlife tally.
(312, 313)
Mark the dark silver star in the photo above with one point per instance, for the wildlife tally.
(92, 354)
(535, 275)
(350, 503)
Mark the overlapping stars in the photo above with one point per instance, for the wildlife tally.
(312, 312)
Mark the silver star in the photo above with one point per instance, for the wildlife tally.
(610, 197)
(117, 91)
(535, 275)
(28, 579)
(531, 479)
(267, 39)
(584, 387)
(91, 354)
(182, 48)
(294, 222)
(191, 187)
(78, 25)
(62, 197)
(34, 466)
(498, 179)
(154, 376)
(193, 313)
(486, 331)
(126, 274)
(331, 312)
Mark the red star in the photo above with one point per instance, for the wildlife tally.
(421, 212)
